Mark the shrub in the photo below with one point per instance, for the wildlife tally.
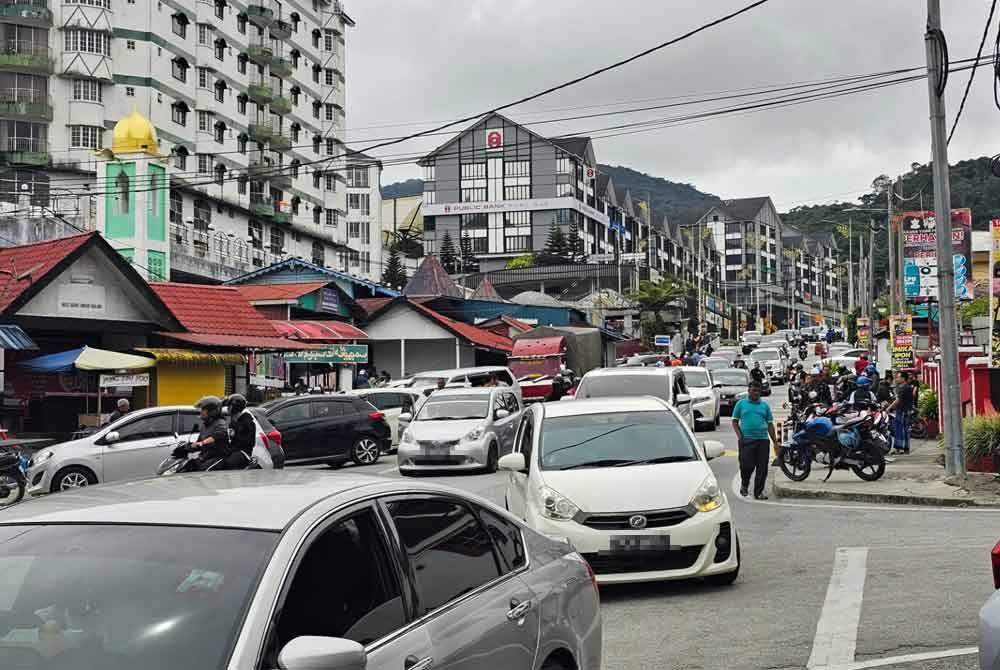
(927, 404)
(981, 434)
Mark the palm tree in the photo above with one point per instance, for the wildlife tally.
(654, 296)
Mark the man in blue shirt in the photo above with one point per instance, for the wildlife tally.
(754, 426)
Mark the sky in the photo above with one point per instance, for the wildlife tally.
(410, 62)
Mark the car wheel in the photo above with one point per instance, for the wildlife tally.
(73, 477)
(727, 578)
(554, 664)
(365, 451)
(492, 458)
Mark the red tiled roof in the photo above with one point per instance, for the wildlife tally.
(239, 341)
(255, 292)
(322, 331)
(517, 324)
(372, 305)
(213, 310)
(477, 336)
(24, 266)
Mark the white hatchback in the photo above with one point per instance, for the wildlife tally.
(625, 481)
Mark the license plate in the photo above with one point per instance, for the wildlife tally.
(630, 543)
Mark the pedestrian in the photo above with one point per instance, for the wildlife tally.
(677, 362)
(754, 426)
(829, 336)
(902, 406)
(441, 382)
(861, 364)
(123, 408)
(708, 350)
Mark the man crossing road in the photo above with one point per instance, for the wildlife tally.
(754, 426)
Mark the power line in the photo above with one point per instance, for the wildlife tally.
(972, 75)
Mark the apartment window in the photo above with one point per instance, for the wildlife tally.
(295, 168)
(204, 121)
(354, 258)
(241, 144)
(241, 184)
(317, 142)
(316, 107)
(220, 9)
(241, 23)
(176, 208)
(358, 202)
(331, 217)
(241, 104)
(180, 158)
(330, 114)
(129, 91)
(220, 132)
(316, 70)
(277, 241)
(220, 90)
(255, 229)
(220, 49)
(179, 24)
(357, 177)
(203, 33)
(516, 192)
(329, 146)
(563, 165)
(204, 77)
(430, 197)
(86, 137)
(179, 67)
(473, 170)
(329, 76)
(87, 89)
(318, 253)
(130, 45)
(517, 231)
(88, 41)
(241, 63)
(204, 163)
(353, 229)
(328, 40)
(564, 190)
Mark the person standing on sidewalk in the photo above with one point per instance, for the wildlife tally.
(902, 406)
(754, 426)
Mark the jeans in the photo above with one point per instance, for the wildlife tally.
(755, 457)
(901, 431)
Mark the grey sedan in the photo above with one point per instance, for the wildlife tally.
(288, 569)
(461, 429)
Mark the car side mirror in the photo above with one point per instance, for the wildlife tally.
(112, 437)
(513, 463)
(682, 399)
(330, 653)
(406, 416)
(502, 414)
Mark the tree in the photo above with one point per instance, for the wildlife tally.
(556, 245)
(449, 258)
(574, 244)
(654, 296)
(394, 274)
(468, 261)
(521, 262)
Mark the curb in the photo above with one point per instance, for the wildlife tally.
(784, 491)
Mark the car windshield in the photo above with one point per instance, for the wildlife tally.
(451, 408)
(765, 355)
(604, 386)
(715, 363)
(614, 439)
(730, 377)
(697, 379)
(752, 336)
(103, 597)
(426, 381)
(727, 354)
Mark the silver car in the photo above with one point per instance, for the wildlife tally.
(462, 429)
(244, 570)
(132, 446)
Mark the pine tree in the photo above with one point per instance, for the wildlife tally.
(555, 245)
(465, 246)
(574, 244)
(394, 274)
(449, 258)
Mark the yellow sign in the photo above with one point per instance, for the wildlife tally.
(864, 332)
(995, 293)
(901, 341)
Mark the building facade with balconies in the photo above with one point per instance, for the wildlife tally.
(247, 98)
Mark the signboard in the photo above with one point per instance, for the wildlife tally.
(337, 353)
(901, 341)
(589, 173)
(124, 381)
(329, 301)
(920, 261)
(995, 293)
(661, 340)
(864, 332)
(87, 300)
(500, 206)
(494, 140)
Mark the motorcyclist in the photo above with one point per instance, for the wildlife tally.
(756, 374)
(213, 444)
(862, 397)
(816, 383)
(243, 432)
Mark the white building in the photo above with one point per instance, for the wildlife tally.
(246, 96)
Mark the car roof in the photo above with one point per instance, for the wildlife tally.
(478, 391)
(691, 368)
(762, 349)
(451, 372)
(611, 372)
(253, 499)
(579, 407)
(340, 397)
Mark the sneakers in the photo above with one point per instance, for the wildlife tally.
(744, 492)
(762, 496)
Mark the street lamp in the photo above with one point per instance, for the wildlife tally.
(870, 298)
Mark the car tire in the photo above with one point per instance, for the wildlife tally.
(727, 578)
(366, 451)
(72, 477)
(492, 458)
(554, 664)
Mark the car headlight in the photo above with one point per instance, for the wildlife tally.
(474, 434)
(42, 457)
(556, 506)
(407, 437)
(708, 497)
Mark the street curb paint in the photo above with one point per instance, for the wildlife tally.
(783, 490)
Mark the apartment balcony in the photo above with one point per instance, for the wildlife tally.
(280, 104)
(261, 132)
(281, 67)
(280, 141)
(260, 206)
(282, 217)
(260, 13)
(281, 30)
(261, 54)
(214, 254)
(26, 12)
(262, 170)
(280, 178)
(25, 103)
(260, 92)
(25, 56)
(25, 151)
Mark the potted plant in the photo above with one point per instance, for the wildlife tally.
(981, 435)
(927, 411)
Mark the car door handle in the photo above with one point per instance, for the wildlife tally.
(412, 663)
(519, 609)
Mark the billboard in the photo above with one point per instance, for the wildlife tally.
(995, 293)
(920, 260)
(864, 332)
(901, 341)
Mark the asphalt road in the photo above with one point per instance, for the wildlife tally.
(826, 586)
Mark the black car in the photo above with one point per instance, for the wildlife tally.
(331, 429)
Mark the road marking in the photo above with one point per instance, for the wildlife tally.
(908, 658)
(837, 631)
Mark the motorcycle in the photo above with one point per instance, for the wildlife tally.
(803, 352)
(918, 428)
(13, 475)
(848, 446)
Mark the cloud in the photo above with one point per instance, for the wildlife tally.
(411, 61)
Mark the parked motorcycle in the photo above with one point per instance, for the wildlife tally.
(842, 447)
(803, 352)
(13, 475)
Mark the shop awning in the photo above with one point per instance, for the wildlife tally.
(319, 331)
(170, 355)
(239, 341)
(538, 347)
(87, 358)
(13, 338)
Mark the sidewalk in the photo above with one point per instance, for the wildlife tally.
(915, 479)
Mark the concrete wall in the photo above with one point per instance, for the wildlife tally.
(421, 355)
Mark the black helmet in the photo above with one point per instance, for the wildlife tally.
(210, 404)
(237, 403)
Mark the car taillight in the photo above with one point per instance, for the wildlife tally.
(275, 436)
(376, 416)
(995, 560)
(593, 578)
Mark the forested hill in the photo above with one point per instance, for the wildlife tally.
(682, 203)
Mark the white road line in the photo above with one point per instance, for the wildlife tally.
(908, 658)
(837, 630)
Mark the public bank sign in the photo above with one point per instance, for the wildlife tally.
(338, 353)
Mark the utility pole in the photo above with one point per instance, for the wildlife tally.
(890, 187)
(871, 284)
(850, 265)
(951, 404)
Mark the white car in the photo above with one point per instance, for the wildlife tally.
(667, 384)
(624, 480)
(426, 382)
(774, 365)
(704, 397)
(393, 402)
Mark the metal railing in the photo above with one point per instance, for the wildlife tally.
(219, 247)
(25, 53)
(25, 102)
(28, 145)
(26, 9)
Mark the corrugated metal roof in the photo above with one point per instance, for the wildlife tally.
(13, 338)
(316, 331)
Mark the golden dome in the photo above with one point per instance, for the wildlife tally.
(134, 134)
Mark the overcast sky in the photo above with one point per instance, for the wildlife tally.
(412, 61)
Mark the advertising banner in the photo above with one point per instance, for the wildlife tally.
(920, 261)
(995, 293)
(124, 381)
(901, 341)
(864, 332)
(339, 353)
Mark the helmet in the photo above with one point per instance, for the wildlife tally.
(798, 366)
(237, 403)
(210, 404)
(815, 371)
(871, 369)
(863, 382)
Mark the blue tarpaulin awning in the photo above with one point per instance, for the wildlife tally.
(13, 338)
(87, 358)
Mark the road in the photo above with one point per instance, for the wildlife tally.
(825, 586)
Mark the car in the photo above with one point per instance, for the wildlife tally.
(426, 382)
(841, 349)
(393, 402)
(774, 365)
(715, 363)
(294, 570)
(666, 384)
(704, 397)
(624, 480)
(132, 446)
(775, 342)
(729, 353)
(732, 385)
(645, 360)
(460, 429)
(790, 335)
(750, 340)
(331, 429)
(989, 619)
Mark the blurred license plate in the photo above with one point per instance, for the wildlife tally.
(437, 447)
(639, 543)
